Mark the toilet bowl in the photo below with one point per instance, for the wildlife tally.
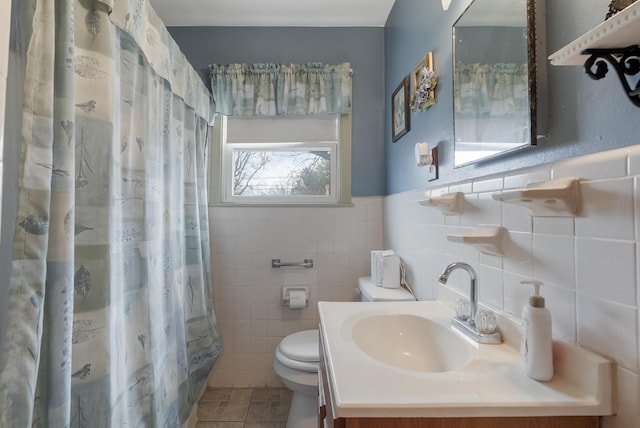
(296, 363)
(297, 358)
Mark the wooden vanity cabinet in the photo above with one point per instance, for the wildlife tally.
(326, 418)
(549, 422)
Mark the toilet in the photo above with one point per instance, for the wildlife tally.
(297, 358)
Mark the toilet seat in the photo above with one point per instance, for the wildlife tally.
(307, 367)
(300, 351)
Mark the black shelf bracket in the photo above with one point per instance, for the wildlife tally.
(626, 62)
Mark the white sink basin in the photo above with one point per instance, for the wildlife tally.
(400, 359)
(410, 342)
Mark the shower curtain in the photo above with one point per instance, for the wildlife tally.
(110, 319)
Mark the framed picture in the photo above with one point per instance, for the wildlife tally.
(423, 84)
(400, 110)
(416, 75)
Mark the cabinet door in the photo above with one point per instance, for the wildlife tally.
(326, 416)
(322, 407)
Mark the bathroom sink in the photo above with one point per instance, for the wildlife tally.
(410, 342)
(400, 359)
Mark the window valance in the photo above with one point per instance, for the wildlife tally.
(491, 89)
(280, 89)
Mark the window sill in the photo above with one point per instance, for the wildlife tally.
(283, 205)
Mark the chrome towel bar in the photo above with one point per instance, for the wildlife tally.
(276, 263)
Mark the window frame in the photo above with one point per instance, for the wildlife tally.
(220, 169)
(228, 164)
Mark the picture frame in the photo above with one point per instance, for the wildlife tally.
(424, 81)
(400, 116)
(427, 61)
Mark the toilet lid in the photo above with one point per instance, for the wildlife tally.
(301, 346)
(373, 293)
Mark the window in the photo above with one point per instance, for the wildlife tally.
(281, 160)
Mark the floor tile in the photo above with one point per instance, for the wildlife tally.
(269, 405)
(239, 396)
(267, 412)
(220, 425)
(271, 395)
(224, 404)
(222, 412)
(244, 408)
(265, 425)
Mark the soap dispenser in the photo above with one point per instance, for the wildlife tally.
(535, 349)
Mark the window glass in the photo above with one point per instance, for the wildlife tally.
(281, 160)
(281, 171)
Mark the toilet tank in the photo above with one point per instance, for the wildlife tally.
(371, 293)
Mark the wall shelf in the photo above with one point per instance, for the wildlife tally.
(556, 198)
(616, 42)
(484, 238)
(449, 204)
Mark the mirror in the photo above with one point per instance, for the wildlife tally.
(495, 84)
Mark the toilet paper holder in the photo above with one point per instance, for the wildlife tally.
(286, 289)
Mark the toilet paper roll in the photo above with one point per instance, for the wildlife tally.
(297, 299)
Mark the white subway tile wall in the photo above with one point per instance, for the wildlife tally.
(590, 264)
(247, 290)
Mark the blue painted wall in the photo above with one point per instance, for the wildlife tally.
(585, 116)
(361, 46)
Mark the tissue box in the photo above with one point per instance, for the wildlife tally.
(385, 269)
(390, 271)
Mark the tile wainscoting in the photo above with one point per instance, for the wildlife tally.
(247, 290)
(590, 264)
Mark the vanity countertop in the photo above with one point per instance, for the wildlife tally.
(492, 384)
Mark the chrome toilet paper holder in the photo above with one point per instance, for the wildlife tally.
(286, 289)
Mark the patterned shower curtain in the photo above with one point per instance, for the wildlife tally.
(110, 318)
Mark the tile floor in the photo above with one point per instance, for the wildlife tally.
(244, 408)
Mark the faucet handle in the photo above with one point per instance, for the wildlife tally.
(463, 309)
(486, 322)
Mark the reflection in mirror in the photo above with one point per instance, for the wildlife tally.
(494, 79)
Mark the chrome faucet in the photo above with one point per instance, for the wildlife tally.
(485, 331)
(473, 285)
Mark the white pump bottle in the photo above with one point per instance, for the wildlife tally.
(535, 349)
